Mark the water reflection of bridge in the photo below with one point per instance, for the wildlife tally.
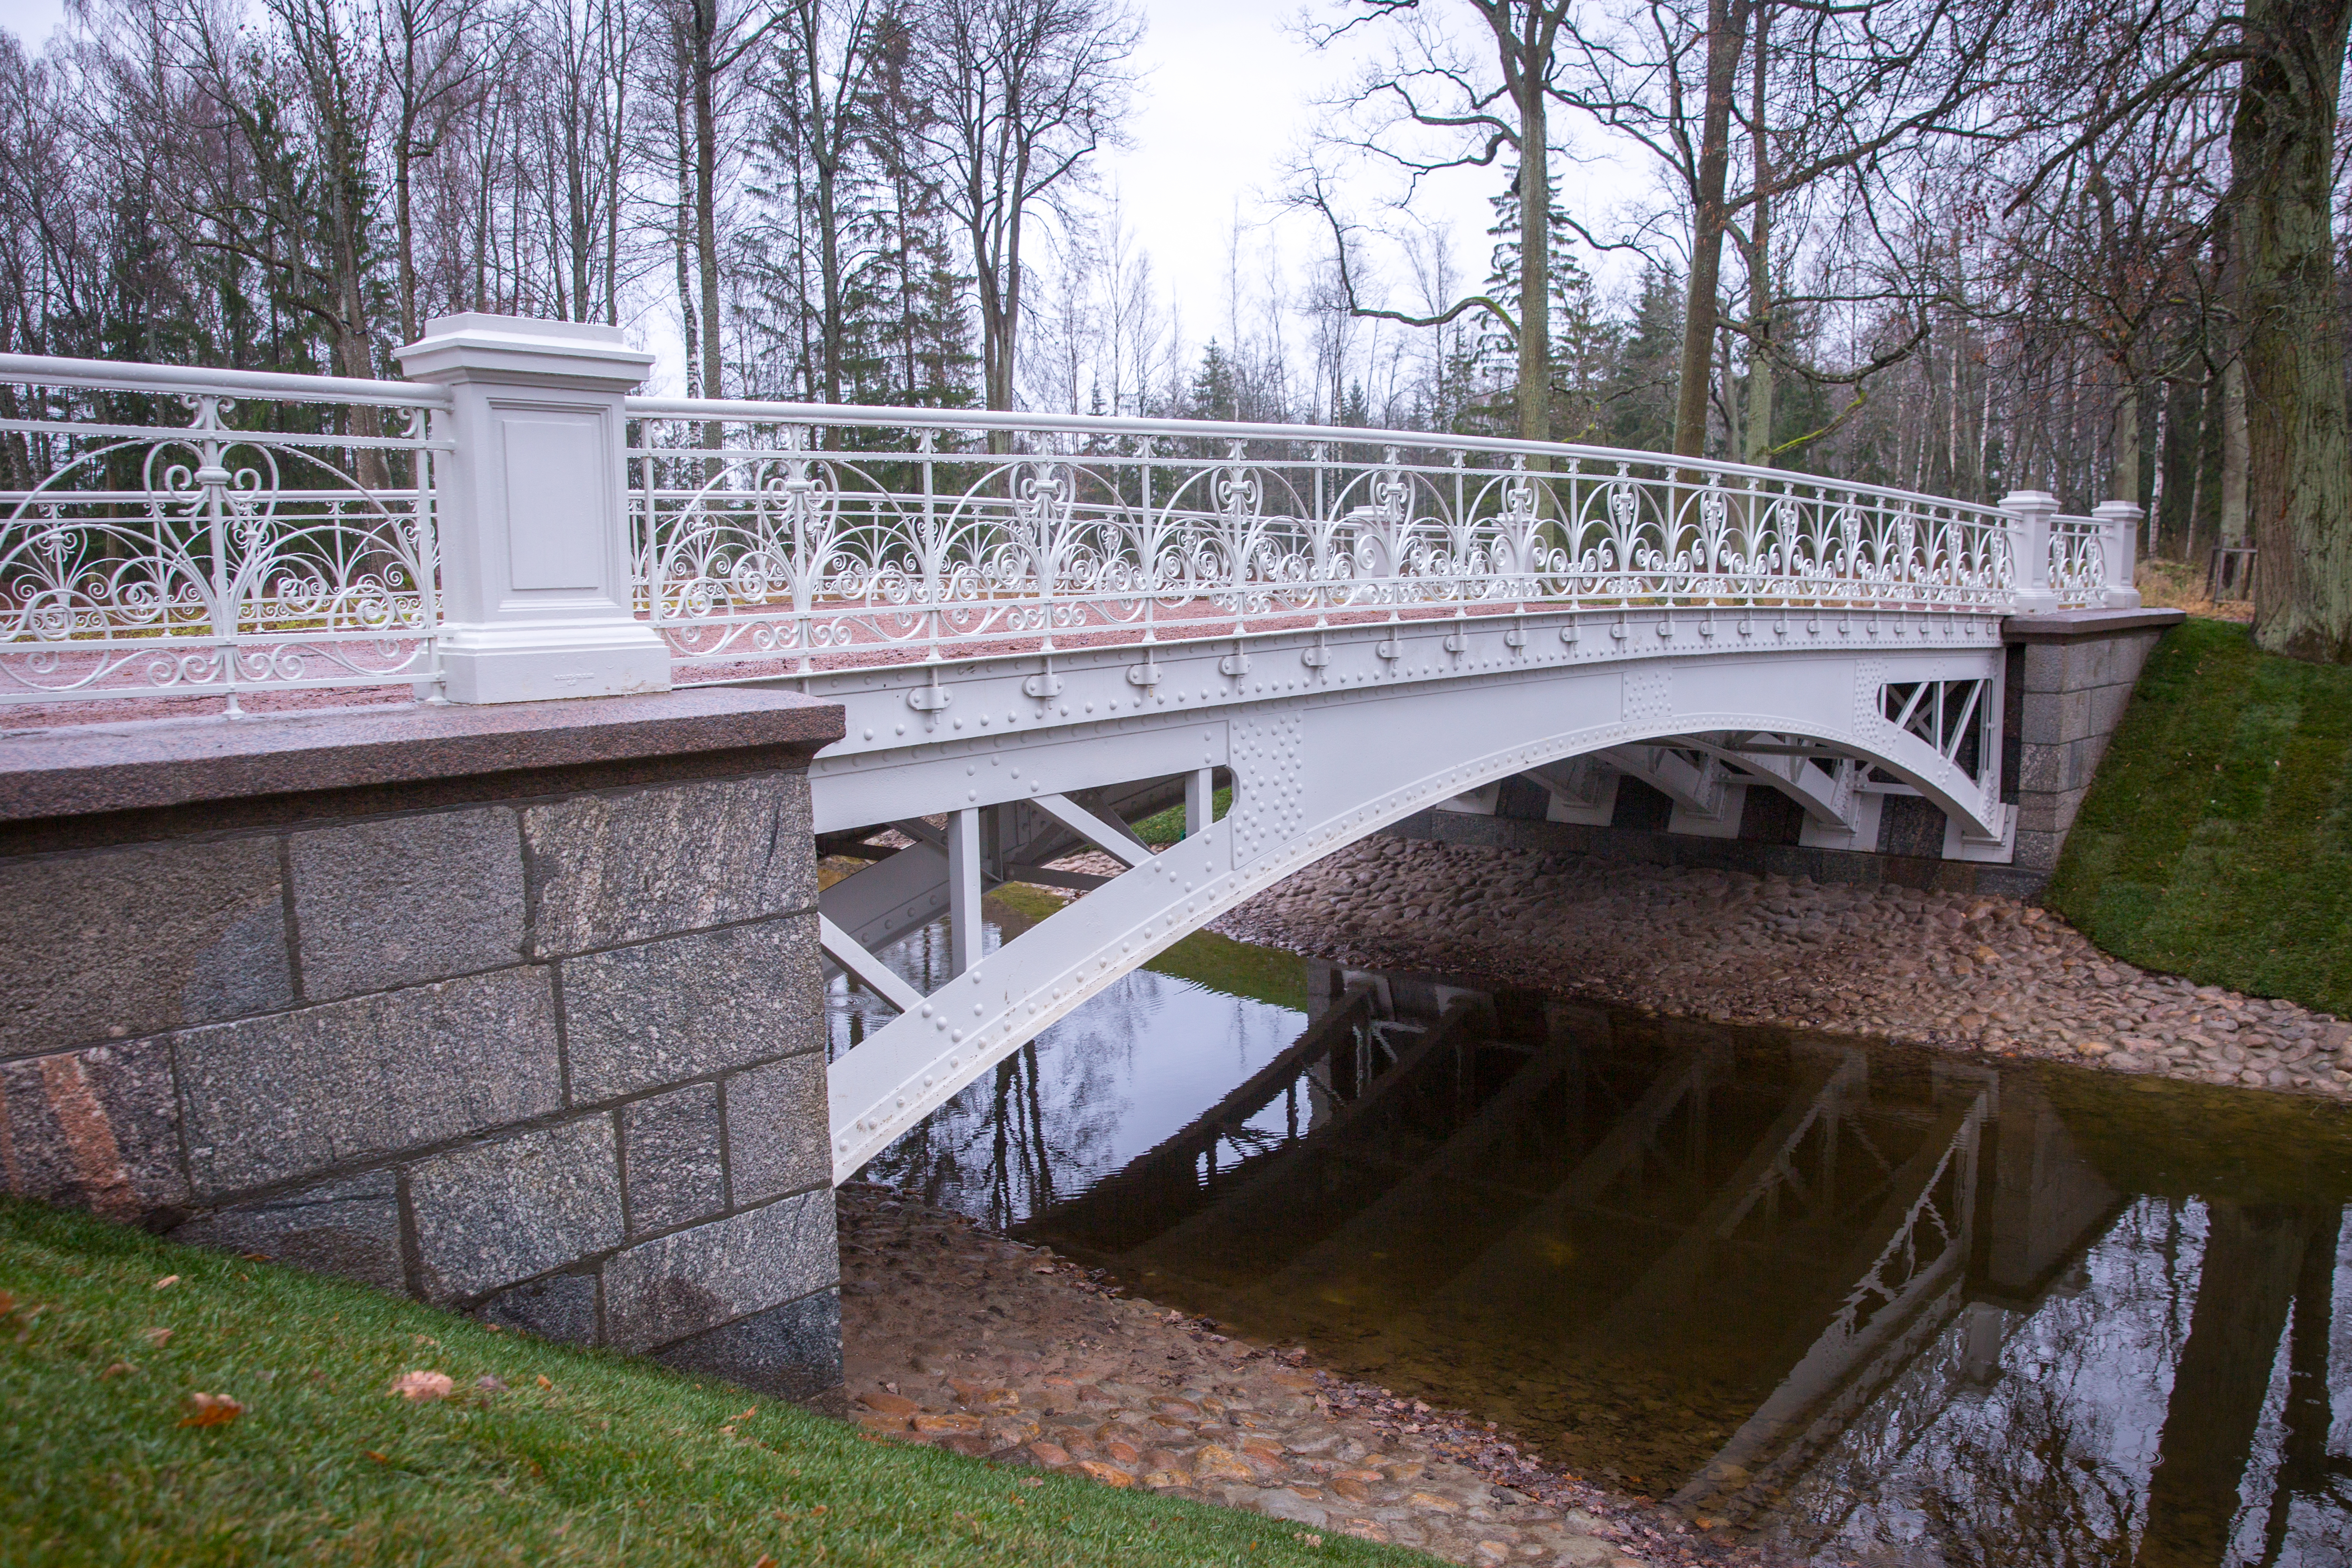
(1725, 1264)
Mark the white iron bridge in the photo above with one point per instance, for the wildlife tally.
(1043, 627)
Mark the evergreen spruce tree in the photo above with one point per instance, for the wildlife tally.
(1581, 336)
(1215, 392)
(1641, 391)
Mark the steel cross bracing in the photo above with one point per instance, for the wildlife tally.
(989, 768)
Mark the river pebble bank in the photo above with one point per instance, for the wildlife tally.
(957, 1337)
(1964, 971)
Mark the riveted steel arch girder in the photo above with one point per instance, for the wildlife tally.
(1334, 751)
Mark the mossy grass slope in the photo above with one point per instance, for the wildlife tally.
(2216, 842)
(611, 1460)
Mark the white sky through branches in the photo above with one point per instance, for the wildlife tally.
(1226, 102)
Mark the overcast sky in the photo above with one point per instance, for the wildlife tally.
(1226, 96)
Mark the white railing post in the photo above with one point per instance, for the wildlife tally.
(2119, 523)
(535, 580)
(2029, 513)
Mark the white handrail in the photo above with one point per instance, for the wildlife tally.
(109, 376)
(853, 415)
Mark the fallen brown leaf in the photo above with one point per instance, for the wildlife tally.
(119, 1369)
(7, 1303)
(159, 1338)
(166, 1282)
(378, 1458)
(211, 1410)
(543, 1383)
(765, 1561)
(419, 1386)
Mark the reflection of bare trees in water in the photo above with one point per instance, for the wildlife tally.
(1041, 1123)
(2035, 1491)
(2167, 1405)
(2030, 1446)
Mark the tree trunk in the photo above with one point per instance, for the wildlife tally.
(2282, 266)
(406, 239)
(1733, 441)
(1726, 38)
(689, 318)
(705, 14)
(1535, 251)
(1759, 448)
(2244, 1290)
(1759, 261)
(2176, 510)
(2123, 470)
(828, 239)
(2233, 452)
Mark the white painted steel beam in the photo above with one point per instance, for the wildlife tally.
(889, 898)
(1327, 738)
(1115, 841)
(877, 976)
(965, 930)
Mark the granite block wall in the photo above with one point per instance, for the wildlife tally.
(2069, 701)
(557, 1060)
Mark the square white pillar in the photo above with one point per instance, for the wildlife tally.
(532, 509)
(2029, 513)
(2119, 523)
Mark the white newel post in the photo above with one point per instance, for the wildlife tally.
(2119, 523)
(2029, 513)
(534, 542)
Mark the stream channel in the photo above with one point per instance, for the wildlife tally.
(1860, 1303)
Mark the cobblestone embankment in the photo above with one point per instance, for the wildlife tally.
(957, 1337)
(1961, 971)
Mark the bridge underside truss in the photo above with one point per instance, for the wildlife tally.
(954, 779)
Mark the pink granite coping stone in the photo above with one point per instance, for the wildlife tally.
(80, 770)
(2068, 626)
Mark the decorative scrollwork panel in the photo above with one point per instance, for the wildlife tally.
(834, 536)
(146, 558)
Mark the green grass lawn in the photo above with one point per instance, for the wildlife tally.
(580, 1457)
(1165, 828)
(2217, 840)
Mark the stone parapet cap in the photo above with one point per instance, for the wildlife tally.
(2077, 626)
(85, 770)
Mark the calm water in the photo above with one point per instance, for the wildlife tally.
(1874, 1305)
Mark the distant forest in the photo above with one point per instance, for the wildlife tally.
(880, 201)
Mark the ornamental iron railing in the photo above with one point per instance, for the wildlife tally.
(165, 530)
(825, 536)
(168, 531)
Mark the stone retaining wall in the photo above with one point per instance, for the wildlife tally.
(2070, 679)
(525, 1020)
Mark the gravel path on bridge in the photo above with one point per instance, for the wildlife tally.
(953, 1336)
(1960, 971)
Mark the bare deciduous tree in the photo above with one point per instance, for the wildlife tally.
(1022, 92)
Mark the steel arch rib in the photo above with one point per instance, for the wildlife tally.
(1316, 773)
